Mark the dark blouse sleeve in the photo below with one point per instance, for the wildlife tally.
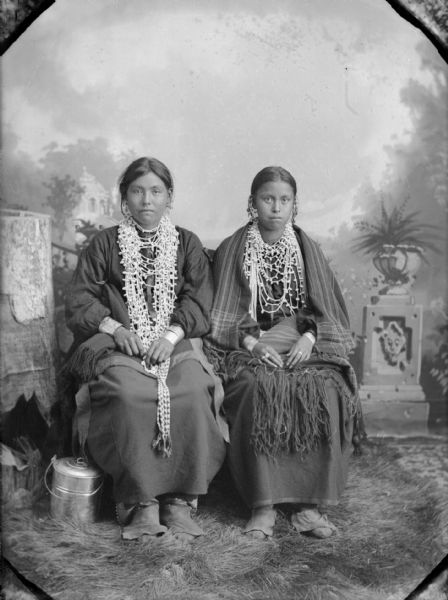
(84, 307)
(194, 299)
(247, 326)
(306, 322)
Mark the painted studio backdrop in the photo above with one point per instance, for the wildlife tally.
(346, 95)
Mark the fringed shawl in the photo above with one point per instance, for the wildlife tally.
(232, 297)
(289, 401)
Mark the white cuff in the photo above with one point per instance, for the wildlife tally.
(250, 342)
(109, 325)
(310, 336)
(174, 334)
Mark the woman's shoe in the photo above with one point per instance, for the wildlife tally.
(261, 524)
(144, 521)
(124, 512)
(175, 513)
(311, 522)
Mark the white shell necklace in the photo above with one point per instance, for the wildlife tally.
(274, 265)
(160, 267)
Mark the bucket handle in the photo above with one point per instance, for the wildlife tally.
(80, 460)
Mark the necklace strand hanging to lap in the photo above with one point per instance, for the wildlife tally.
(270, 265)
(160, 268)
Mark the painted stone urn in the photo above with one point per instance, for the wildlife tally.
(397, 241)
(399, 265)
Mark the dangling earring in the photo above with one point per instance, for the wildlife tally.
(252, 211)
(169, 205)
(125, 209)
(294, 211)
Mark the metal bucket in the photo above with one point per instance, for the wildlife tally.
(75, 491)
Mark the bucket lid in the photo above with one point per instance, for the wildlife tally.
(77, 467)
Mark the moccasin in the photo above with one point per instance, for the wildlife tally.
(176, 516)
(312, 522)
(262, 519)
(124, 513)
(145, 521)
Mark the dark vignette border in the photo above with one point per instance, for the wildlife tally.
(434, 25)
(15, 22)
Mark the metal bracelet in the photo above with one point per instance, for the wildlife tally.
(174, 334)
(250, 342)
(109, 325)
(310, 336)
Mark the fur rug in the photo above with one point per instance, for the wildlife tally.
(392, 531)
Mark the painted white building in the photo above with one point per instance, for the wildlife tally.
(96, 205)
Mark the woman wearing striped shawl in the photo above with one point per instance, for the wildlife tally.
(280, 340)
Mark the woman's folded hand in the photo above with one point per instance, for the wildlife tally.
(299, 352)
(129, 343)
(267, 354)
(159, 351)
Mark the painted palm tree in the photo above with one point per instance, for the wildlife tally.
(395, 228)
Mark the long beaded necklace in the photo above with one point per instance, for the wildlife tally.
(269, 266)
(159, 267)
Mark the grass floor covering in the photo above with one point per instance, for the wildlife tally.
(391, 530)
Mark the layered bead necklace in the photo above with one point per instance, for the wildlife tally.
(269, 266)
(158, 266)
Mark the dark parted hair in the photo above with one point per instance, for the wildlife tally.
(272, 174)
(143, 166)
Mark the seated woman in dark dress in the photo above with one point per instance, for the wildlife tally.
(280, 339)
(148, 403)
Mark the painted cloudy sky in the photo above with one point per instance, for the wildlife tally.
(219, 89)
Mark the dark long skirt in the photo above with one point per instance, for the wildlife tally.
(123, 426)
(317, 477)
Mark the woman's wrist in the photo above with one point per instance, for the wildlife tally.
(174, 334)
(249, 342)
(310, 335)
(109, 325)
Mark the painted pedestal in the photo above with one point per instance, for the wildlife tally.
(392, 398)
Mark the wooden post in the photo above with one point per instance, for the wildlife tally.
(27, 332)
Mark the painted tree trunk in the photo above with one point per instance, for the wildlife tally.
(27, 332)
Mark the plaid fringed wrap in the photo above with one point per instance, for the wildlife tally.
(290, 405)
(232, 296)
(291, 412)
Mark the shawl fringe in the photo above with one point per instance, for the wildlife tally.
(291, 411)
(217, 358)
(84, 364)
